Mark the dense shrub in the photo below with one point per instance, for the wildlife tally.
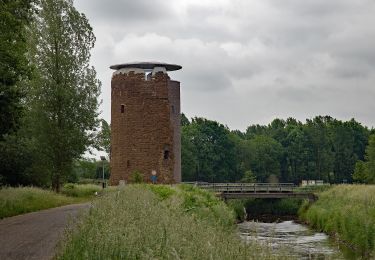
(136, 177)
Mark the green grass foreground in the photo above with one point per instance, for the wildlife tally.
(158, 222)
(348, 213)
(15, 201)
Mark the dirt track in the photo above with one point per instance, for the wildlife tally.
(35, 235)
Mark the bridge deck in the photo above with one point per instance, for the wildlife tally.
(256, 190)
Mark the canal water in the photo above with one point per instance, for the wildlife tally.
(291, 238)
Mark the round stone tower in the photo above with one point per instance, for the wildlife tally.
(145, 123)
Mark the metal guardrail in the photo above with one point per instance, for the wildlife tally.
(248, 187)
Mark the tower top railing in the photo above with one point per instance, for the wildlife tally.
(147, 66)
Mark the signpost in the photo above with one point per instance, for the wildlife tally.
(103, 160)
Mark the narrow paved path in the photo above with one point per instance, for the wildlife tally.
(35, 235)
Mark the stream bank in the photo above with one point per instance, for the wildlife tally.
(345, 212)
(275, 223)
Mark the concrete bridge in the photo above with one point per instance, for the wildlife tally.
(257, 190)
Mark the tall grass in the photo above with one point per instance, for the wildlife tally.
(348, 212)
(205, 205)
(14, 201)
(80, 190)
(138, 222)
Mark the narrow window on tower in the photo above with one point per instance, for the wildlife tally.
(166, 154)
(173, 111)
(128, 163)
(122, 109)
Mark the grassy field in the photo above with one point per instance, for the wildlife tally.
(159, 222)
(15, 201)
(348, 213)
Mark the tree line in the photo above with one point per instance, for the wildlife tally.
(48, 91)
(322, 148)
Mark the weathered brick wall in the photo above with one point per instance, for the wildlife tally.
(148, 127)
(174, 97)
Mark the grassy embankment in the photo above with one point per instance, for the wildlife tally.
(348, 213)
(159, 222)
(15, 201)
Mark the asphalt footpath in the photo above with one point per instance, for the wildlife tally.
(36, 235)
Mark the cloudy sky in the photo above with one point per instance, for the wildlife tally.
(247, 61)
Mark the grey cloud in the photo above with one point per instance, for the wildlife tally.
(205, 80)
(125, 12)
(344, 71)
(317, 8)
(304, 95)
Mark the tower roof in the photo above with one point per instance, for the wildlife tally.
(146, 65)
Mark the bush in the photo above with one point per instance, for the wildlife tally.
(136, 177)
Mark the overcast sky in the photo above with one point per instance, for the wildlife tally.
(246, 61)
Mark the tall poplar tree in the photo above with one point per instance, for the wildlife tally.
(64, 102)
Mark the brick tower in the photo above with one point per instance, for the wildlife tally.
(145, 123)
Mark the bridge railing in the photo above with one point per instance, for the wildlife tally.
(247, 187)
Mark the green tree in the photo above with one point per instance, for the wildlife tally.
(248, 177)
(85, 168)
(104, 137)
(64, 101)
(266, 157)
(321, 159)
(15, 153)
(360, 173)
(296, 154)
(184, 120)
(211, 151)
(343, 141)
(15, 15)
(370, 160)
(188, 155)
(255, 130)
(16, 161)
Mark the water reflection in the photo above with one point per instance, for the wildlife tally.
(295, 239)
